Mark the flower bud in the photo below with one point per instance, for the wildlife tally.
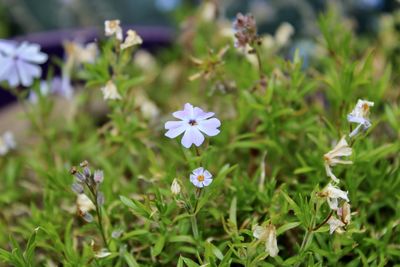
(175, 187)
(77, 188)
(98, 176)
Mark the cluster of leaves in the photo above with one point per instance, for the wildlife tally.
(277, 122)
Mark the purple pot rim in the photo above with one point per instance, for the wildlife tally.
(149, 34)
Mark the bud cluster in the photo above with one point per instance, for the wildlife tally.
(246, 30)
(85, 180)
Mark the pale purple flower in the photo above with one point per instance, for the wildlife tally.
(201, 177)
(19, 62)
(359, 115)
(57, 86)
(194, 122)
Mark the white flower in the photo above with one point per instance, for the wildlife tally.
(267, 234)
(335, 225)
(110, 91)
(19, 63)
(79, 53)
(360, 115)
(7, 143)
(131, 39)
(283, 34)
(175, 187)
(194, 122)
(333, 194)
(112, 27)
(333, 157)
(84, 204)
(201, 177)
(345, 213)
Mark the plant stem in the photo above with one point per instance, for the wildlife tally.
(195, 229)
(100, 223)
(259, 62)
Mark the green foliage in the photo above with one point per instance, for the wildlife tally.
(267, 162)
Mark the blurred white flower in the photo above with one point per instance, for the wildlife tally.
(175, 187)
(145, 61)
(335, 225)
(7, 143)
(333, 194)
(112, 27)
(79, 53)
(267, 234)
(110, 91)
(201, 177)
(19, 63)
(333, 157)
(131, 39)
(359, 115)
(283, 34)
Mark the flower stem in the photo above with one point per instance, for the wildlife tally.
(100, 223)
(195, 229)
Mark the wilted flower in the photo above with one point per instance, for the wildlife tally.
(333, 194)
(7, 143)
(267, 234)
(84, 205)
(19, 63)
(344, 213)
(194, 122)
(175, 187)
(333, 157)
(246, 30)
(112, 27)
(335, 225)
(201, 177)
(360, 115)
(110, 91)
(131, 39)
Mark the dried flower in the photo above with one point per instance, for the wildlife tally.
(333, 194)
(335, 225)
(112, 27)
(19, 63)
(201, 177)
(110, 91)
(360, 115)
(267, 234)
(7, 143)
(344, 213)
(131, 39)
(175, 187)
(333, 157)
(194, 122)
(246, 30)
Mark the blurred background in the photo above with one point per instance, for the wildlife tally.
(51, 22)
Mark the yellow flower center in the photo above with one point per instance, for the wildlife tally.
(365, 107)
(200, 178)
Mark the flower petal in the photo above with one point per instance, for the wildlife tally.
(207, 174)
(207, 182)
(198, 171)
(209, 127)
(192, 136)
(199, 114)
(27, 72)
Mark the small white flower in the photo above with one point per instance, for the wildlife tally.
(131, 39)
(7, 143)
(345, 213)
(175, 187)
(335, 225)
(79, 53)
(201, 177)
(333, 157)
(283, 34)
(112, 27)
(110, 91)
(84, 204)
(193, 123)
(359, 115)
(333, 194)
(267, 234)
